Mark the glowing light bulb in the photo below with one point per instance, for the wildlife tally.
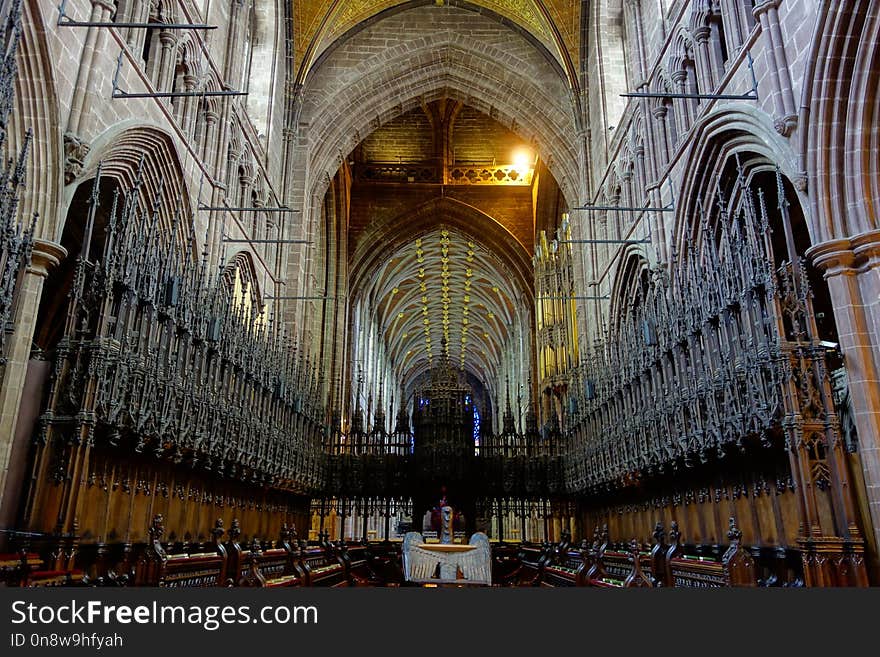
(522, 161)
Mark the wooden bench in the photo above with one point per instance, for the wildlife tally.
(156, 567)
(322, 566)
(356, 558)
(41, 560)
(273, 567)
(506, 564)
(16, 566)
(735, 568)
(532, 559)
(386, 562)
(567, 569)
(616, 568)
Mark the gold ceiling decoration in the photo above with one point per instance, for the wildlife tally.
(319, 23)
(426, 296)
(566, 16)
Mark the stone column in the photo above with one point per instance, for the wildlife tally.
(664, 144)
(704, 63)
(681, 105)
(46, 255)
(189, 106)
(167, 61)
(852, 270)
(777, 65)
(86, 77)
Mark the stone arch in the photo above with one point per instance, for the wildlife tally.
(241, 265)
(36, 109)
(745, 138)
(565, 66)
(127, 148)
(454, 214)
(733, 128)
(841, 112)
(375, 278)
(625, 286)
(432, 65)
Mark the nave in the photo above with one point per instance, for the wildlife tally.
(359, 294)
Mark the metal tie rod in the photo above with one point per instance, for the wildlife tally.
(118, 93)
(66, 21)
(220, 208)
(247, 241)
(644, 241)
(623, 208)
(337, 296)
(647, 94)
(751, 95)
(577, 298)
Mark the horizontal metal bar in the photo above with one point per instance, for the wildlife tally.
(338, 296)
(647, 94)
(217, 208)
(623, 208)
(245, 241)
(578, 298)
(163, 26)
(66, 21)
(644, 241)
(175, 94)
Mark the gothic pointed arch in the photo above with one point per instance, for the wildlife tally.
(453, 213)
(841, 112)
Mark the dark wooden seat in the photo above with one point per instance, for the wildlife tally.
(15, 567)
(323, 567)
(356, 558)
(563, 564)
(156, 567)
(615, 568)
(531, 558)
(274, 566)
(735, 568)
(567, 569)
(506, 564)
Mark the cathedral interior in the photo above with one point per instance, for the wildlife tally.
(282, 282)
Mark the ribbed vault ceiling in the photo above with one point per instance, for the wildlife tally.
(444, 291)
(319, 23)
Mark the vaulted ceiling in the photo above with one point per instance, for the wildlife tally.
(318, 24)
(444, 294)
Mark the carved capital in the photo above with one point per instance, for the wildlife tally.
(108, 5)
(45, 257)
(786, 125)
(833, 257)
(847, 255)
(679, 76)
(75, 151)
(763, 7)
(167, 38)
(866, 247)
(701, 34)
